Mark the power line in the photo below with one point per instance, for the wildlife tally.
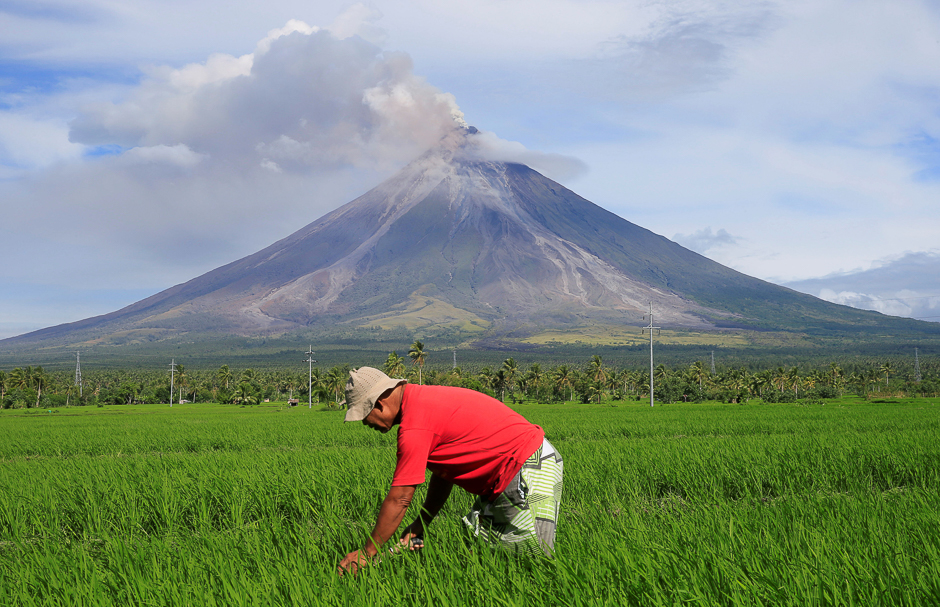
(650, 328)
(172, 373)
(309, 360)
(78, 373)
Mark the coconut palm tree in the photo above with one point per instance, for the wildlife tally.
(612, 383)
(394, 365)
(336, 382)
(418, 356)
(698, 372)
(510, 369)
(38, 377)
(498, 380)
(181, 379)
(661, 373)
(596, 369)
(224, 375)
(886, 368)
(732, 380)
(317, 385)
(244, 395)
(19, 378)
(835, 372)
(533, 379)
(595, 391)
(794, 380)
(562, 377)
(780, 378)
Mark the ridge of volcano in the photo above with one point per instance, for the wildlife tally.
(485, 248)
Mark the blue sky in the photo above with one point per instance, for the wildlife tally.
(143, 143)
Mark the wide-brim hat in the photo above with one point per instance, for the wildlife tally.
(365, 386)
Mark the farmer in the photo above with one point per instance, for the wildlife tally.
(467, 439)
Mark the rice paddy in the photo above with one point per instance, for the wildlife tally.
(708, 504)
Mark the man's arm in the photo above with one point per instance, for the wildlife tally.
(393, 510)
(438, 492)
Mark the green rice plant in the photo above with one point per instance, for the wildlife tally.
(686, 504)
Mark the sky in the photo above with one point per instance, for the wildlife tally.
(144, 143)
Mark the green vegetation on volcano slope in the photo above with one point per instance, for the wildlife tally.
(342, 344)
(702, 504)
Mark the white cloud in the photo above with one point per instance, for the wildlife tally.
(271, 166)
(179, 155)
(807, 144)
(360, 20)
(704, 240)
(294, 25)
(489, 146)
(686, 47)
(904, 285)
(28, 143)
(305, 99)
(907, 303)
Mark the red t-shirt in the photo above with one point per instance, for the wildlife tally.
(466, 437)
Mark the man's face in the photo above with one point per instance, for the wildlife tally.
(382, 417)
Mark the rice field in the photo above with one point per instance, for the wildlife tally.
(709, 504)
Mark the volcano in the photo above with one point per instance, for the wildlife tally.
(460, 243)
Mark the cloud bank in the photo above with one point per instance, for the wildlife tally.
(305, 99)
(908, 285)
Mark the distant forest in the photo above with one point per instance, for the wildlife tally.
(512, 378)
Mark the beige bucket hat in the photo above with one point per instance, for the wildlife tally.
(365, 386)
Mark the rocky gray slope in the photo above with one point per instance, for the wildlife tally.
(454, 239)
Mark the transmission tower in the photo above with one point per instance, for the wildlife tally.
(916, 367)
(309, 360)
(455, 358)
(713, 362)
(650, 328)
(172, 372)
(78, 372)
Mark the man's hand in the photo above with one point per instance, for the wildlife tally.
(412, 537)
(390, 516)
(413, 531)
(353, 562)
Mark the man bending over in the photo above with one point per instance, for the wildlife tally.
(467, 439)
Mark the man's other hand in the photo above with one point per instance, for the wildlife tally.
(353, 562)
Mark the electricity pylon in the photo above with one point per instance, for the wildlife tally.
(650, 328)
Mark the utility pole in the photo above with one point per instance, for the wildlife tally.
(650, 328)
(172, 372)
(309, 360)
(917, 377)
(78, 372)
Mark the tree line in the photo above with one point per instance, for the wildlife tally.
(590, 381)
